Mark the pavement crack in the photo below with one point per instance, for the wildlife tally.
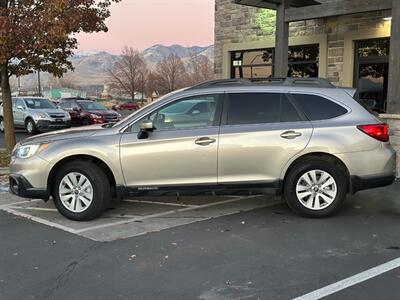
(65, 275)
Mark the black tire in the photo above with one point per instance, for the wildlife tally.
(100, 184)
(30, 126)
(301, 168)
(1, 124)
(85, 122)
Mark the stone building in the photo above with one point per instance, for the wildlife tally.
(345, 41)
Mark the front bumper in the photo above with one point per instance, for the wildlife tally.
(43, 125)
(21, 187)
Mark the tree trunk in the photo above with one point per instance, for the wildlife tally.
(9, 134)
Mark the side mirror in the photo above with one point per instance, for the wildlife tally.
(20, 107)
(145, 127)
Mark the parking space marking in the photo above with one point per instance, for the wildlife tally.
(37, 219)
(161, 203)
(350, 281)
(33, 208)
(162, 214)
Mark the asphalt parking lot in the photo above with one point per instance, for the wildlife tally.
(243, 247)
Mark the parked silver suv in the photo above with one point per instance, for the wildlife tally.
(303, 137)
(36, 114)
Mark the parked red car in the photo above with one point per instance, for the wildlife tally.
(86, 112)
(127, 106)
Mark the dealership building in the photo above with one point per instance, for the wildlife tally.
(352, 43)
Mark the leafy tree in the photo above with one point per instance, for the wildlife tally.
(266, 20)
(38, 35)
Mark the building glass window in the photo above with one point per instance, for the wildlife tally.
(303, 61)
(253, 64)
(371, 72)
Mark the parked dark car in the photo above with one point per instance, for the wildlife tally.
(86, 112)
(127, 106)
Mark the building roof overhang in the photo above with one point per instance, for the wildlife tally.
(272, 4)
(300, 10)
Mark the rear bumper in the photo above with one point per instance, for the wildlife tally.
(370, 182)
(21, 187)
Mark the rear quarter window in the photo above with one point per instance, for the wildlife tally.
(318, 108)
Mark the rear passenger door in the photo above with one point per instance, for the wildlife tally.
(260, 133)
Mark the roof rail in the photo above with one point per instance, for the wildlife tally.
(211, 83)
(287, 81)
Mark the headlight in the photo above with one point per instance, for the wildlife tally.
(27, 151)
(95, 116)
(42, 115)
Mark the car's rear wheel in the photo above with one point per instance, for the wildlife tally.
(81, 191)
(315, 188)
(30, 126)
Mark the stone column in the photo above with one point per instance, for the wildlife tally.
(393, 108)
(281, 41)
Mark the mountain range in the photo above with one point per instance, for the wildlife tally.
(91, 66)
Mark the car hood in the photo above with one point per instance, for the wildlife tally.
(49, 110)
(58, 135)
(103, 112)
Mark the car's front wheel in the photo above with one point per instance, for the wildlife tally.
(81, 191)
(30, 126)
(315, 188)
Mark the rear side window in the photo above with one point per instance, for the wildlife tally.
(258, 108)
(319, 108)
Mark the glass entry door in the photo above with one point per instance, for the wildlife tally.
(371, 72)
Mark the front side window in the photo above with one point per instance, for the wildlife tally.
(319, 108)
(188, 113)
(258, 108)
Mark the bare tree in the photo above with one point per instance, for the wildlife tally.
(128, 73)
(201, 68)
(170, 74)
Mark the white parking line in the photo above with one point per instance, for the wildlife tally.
(350, 281)
(162, 214)
(38, 220)
(32, 208)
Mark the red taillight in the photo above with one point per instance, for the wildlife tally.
(377, 131)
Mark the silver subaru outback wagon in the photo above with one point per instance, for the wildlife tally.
(305, 138)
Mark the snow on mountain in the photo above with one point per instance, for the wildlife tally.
(91, 67)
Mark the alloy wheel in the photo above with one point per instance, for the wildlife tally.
(29, 127)
(316, 189)
(76, 192)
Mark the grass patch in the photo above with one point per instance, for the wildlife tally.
(4, 159)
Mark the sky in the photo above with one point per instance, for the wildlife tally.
(144, 23)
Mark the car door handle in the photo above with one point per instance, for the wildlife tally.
(204, 141)
(290, 135)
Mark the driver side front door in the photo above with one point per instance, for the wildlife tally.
(181, 152)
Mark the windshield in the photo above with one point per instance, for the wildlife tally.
(37, 103)
(89, 105)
